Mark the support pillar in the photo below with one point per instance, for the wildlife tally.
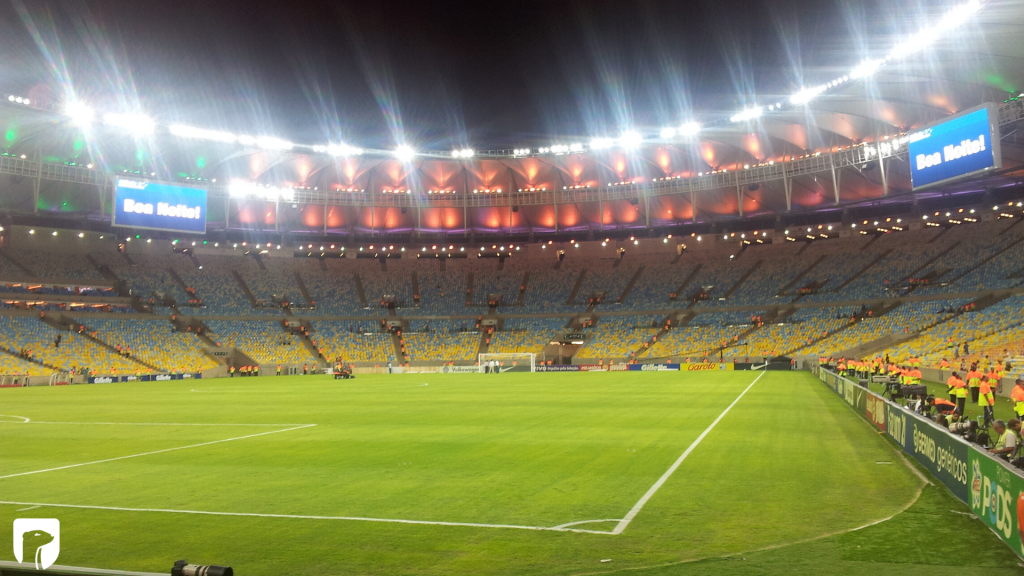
(788, 185)
(647, 210)
(739, 194)
(37, 184)
(554, 198)
(885, 182)
(835, 177)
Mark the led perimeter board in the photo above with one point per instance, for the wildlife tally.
(962, 145)
(143, 204)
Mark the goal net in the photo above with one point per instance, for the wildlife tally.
(509, 362)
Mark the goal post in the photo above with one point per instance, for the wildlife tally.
(509, 362)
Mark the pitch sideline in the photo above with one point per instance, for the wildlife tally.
(155, 452)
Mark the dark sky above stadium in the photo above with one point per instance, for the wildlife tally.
(442, 73)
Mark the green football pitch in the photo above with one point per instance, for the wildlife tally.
(518, 474)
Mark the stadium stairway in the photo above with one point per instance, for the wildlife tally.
(571, 300)
(686, 282)
(665, 327)
(415, 290)
(870, 242)
(88, 334)
(360, 290)
(6, 256)
(521, 297)
(941, 233)
(305, 338)
(1016, 221)
(993, 256)
(259, 261)
(866, 267)
(632, 282)
(244, 287)
(801, 275)
(743, 278)
(128, 259)
(119, 285)
(32, 360)
(933, 259)
(176, 278)
(303, 290)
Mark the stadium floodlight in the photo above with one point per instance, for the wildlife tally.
(271, 143)
(667, 133)
(246, 140)
(463, 153)
(867, 67)
(630, 140)
(807, 94)
(689, 129)
(601, 143)
(243, 189)
(135, 123)
(405, 153)
(80, 114)
(748, 114)
(343, 150)
(183, 131)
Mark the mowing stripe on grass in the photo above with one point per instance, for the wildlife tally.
(668, 473)
(155, 452)
(561, 528)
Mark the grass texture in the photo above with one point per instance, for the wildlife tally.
(789, 470)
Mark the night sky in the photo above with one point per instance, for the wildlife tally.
(442, 73)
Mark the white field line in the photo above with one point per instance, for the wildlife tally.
(668, 473)
(156, 452)
(312, 517)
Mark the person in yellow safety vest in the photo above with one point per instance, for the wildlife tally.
(278, 369)
(256, 370)
(951, 386)
(1017, 397)
(993, 377)
(1006, 440)
(944, 364)
(973, 380)
(915, 375)
(961, 395)
(841, 366)
(231, 370)
(986, 399)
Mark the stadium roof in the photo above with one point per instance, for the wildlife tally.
(835, 148)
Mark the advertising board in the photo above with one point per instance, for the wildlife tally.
(157, 206)
(961, 145)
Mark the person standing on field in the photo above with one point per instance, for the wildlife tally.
(986, 399)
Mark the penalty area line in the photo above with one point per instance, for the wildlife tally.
(562, 528)
(668, 473)
(155, 452)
